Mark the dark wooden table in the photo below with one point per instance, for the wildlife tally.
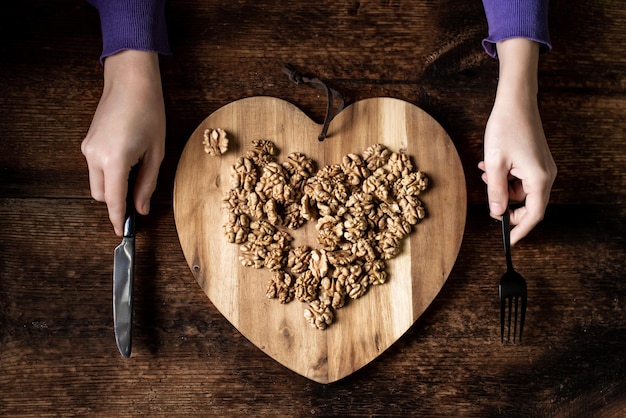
(57, 349)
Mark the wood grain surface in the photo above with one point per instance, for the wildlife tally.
(57, 348)
(366, 327)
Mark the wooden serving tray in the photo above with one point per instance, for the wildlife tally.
(364, 327)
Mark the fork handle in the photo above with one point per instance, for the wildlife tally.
(506, 238)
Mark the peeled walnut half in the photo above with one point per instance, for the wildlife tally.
(215, 142)
(318, 315)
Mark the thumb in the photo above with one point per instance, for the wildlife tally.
(145, 184)
(497, 189)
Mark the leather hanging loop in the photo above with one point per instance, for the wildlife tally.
(297, 78)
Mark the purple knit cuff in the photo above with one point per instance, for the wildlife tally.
(132, 24)
(516, 19)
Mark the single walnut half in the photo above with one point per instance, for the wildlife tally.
(275, 259)
(306, 288)
(389, 245)
(298, 259)
(235, 201)
(308, 209)
(378, 184)
(252, 255)
(412, 209)
(262, 153)
(265, 146)
(355, 226)
(237, 228)
(318, 263)
(376, 272)
(365, 249)
(400, 164)
(215, 142)
(243, 174)
(340, 257)
(376, 156)
(318, 315)
(280, 287)
(300, 168)
(412, 184)
(255, 204)
(272, 212)
(354, 168)
(292, 217)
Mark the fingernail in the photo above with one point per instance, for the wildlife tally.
(146, 207)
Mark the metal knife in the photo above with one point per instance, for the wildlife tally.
(123, 275)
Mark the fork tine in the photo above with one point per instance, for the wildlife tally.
(502, 315)
(508, 327)
(522, 318)
(515, 320)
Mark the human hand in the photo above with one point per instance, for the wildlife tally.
(518, 165)
(128, 128)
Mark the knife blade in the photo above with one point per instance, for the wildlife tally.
(123, 277)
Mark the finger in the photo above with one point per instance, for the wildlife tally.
(146, 181)
(497, 188)
(527, 217)
(115, 189)
(516, 191)
(482, 166)
(96, 184)
(96, 176)
(513, 188)
(483, 176)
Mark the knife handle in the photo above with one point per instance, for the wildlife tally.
(129, 218)
(129, 223)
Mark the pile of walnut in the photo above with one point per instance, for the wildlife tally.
(363, 207)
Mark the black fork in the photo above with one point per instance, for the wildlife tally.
(512, 288)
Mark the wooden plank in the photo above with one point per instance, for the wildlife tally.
(58, 350)
(581, 105)
(582, 131)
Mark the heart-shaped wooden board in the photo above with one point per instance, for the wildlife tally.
(364, 327)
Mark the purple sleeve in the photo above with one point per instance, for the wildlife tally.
(516, 19)
(132, 24)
